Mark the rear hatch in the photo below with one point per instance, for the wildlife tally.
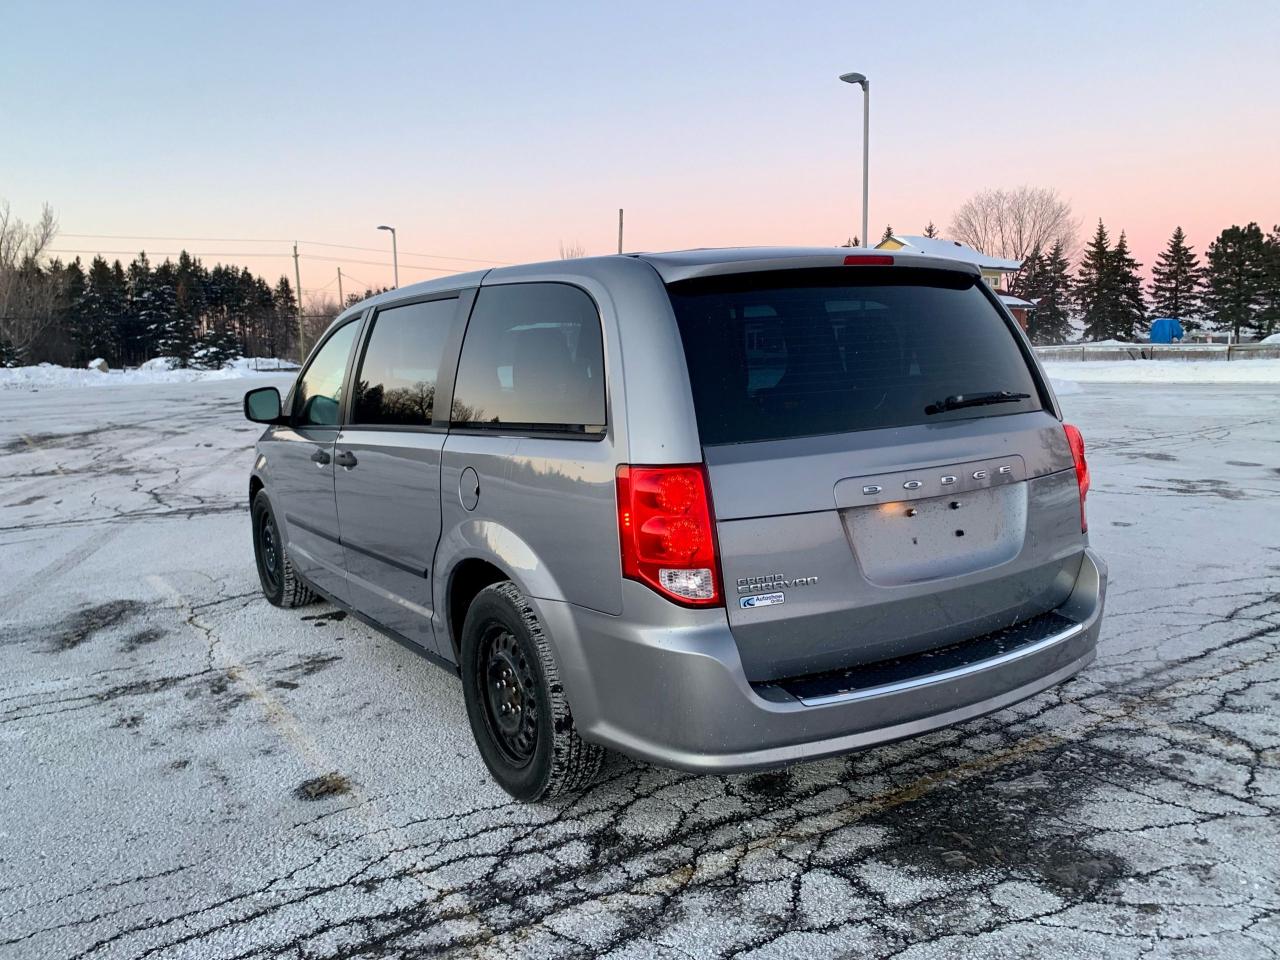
(887, 473)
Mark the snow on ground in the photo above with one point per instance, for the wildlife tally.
(1164, 371)
(188, 772)
(45, 376)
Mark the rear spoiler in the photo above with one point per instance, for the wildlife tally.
(673, 269)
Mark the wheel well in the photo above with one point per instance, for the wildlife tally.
(255, 484)
(468, 579)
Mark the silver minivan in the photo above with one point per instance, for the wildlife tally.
(720, 510)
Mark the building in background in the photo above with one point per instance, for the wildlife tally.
(994, 269)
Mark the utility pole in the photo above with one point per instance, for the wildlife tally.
(297, 277)
(342, 302)
(619, 229)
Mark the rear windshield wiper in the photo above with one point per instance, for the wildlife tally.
(961, 400)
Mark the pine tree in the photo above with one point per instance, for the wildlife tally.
(1269, 316)
(284, 326)
(1027, 281)
(100, 311)
(888, 233)
(72, 319)
(190, 295)
(173, 333)
(1236, 278)
(1050, 321)
(1093, 286)
(1128, 309)
(136, 339)
(931, 231)
(1176, 281)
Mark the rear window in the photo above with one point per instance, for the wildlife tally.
(804, 352)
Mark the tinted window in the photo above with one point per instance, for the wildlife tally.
(397, 379)
(532, 358)
(799, 353)
(318, 397)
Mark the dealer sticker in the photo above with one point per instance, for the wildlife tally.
(761, 600)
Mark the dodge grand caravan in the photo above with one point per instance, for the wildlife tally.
(720, 509)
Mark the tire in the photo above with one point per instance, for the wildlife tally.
(281, 584)
(515, 701)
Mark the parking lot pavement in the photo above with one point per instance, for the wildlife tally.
(186, 771)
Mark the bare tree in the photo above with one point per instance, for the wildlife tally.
(572, 251)
(1012, 223)
(27, 299)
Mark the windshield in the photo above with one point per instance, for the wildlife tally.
(802, 352)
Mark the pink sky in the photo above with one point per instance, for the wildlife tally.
(711, 124)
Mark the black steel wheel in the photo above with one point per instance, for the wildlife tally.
(516, 703)
(511, 695)
(280, 583)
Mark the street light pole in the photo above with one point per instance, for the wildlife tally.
(395, 259)
(863, 82)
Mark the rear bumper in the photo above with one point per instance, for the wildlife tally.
(666, 685)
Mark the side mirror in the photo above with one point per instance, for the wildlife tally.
(263, 405)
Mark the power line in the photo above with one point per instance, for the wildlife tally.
(314, 243)
(225, 253)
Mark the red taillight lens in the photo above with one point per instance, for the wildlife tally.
(667, 534)
(1076, 442)
(868, 260)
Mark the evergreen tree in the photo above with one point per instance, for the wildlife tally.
(931, 231)
(1050, 321)
(101, 310)
(217, 347)
(1093, 286)
(1028, 280)
(888, 233)
(1236, 279)
(283, 330)
(190, 294)
(1176, 282)
(1269, 316)
(172, 332)
(1128, 309)
(137, 322)
(71, 319)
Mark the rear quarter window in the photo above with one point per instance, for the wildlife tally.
(797, 353)
(532, 360)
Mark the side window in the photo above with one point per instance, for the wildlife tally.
(532, 358)
(318, 398)
(396, 383)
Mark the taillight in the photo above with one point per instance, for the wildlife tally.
(667, 533)
(868, 260)
(1076, 442)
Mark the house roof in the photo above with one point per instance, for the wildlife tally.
(954, 250)
(1009, 300)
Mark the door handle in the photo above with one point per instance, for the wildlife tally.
(345, 459)
(320, 457)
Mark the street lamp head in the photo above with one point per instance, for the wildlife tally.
(858, 78)
(385, 227)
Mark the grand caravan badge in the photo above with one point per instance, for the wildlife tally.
(773, 582)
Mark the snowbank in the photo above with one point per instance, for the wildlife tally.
(1274, 338)
(160, 370)
(1163, 371)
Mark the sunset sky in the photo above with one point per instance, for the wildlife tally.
(498, 131)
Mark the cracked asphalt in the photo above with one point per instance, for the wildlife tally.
(186, 771)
